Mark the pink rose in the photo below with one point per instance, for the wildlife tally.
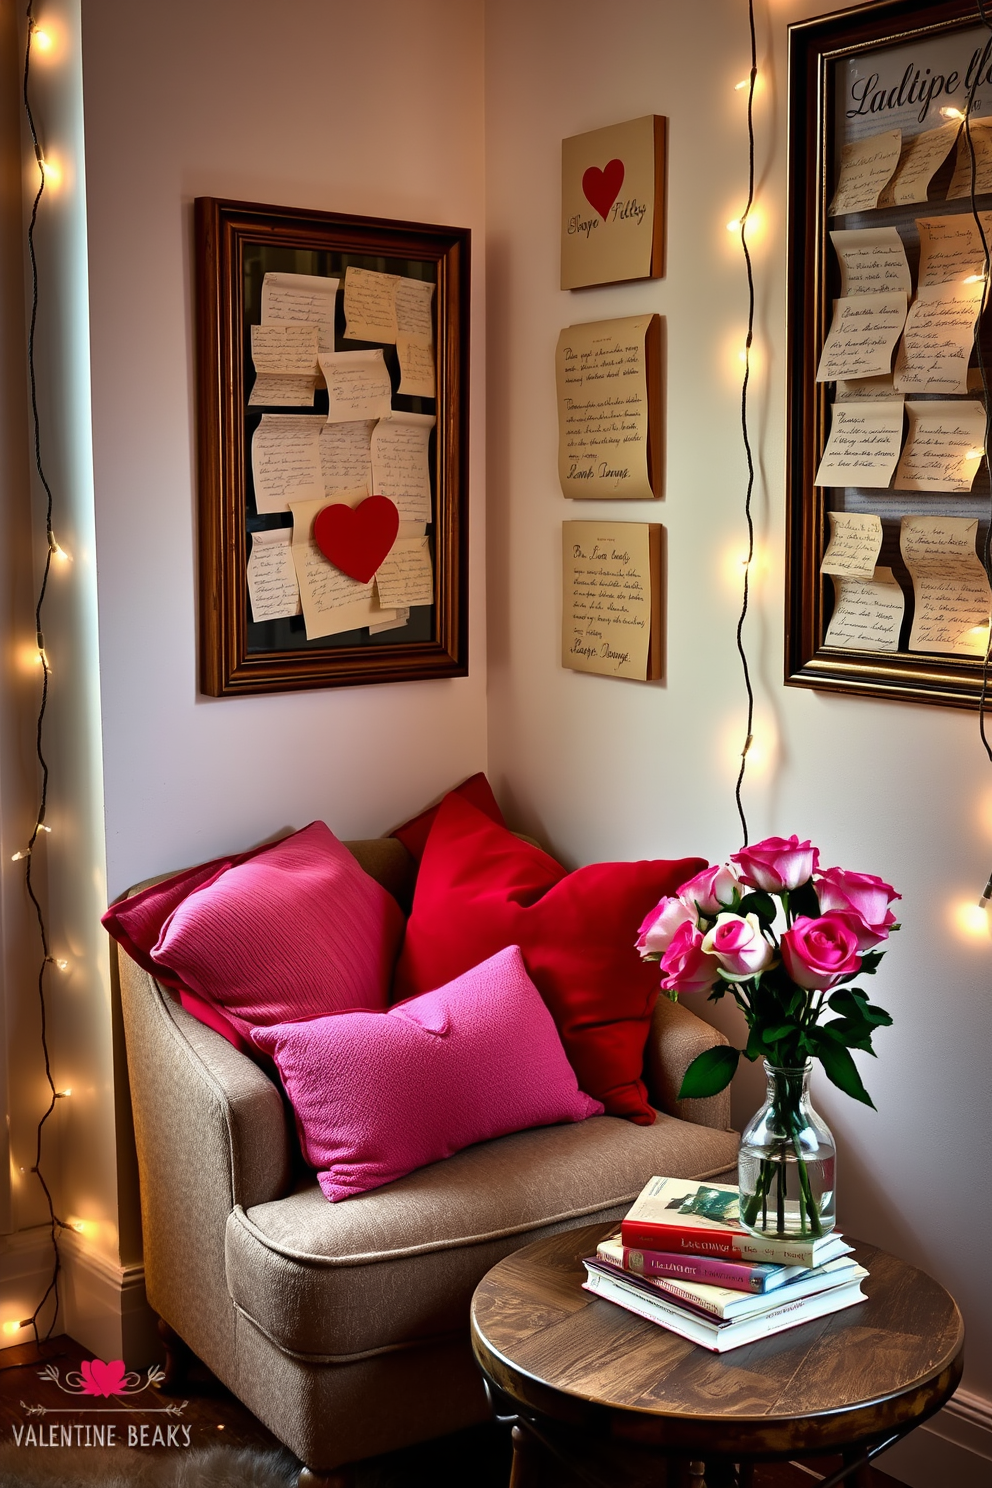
(686, 967)
(739, 946)
(711, 890)
(655, 935)
(817, 953)
(777, 864)
(863, 898)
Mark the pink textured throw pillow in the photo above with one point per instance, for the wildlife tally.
(295, 931)
(379, 1094)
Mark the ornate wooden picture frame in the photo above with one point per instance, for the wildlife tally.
(905, 65)
(242, 249)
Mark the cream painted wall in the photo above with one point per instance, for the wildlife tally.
(601, 768)
(376, 110)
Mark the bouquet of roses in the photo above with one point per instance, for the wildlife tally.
(786, 939)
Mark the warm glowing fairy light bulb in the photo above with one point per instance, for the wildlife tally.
(974, 279)
(952, 113)
(12, 1327)
(972, 921)
(57, 551)
(41, 39)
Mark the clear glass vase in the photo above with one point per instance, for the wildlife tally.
(787, 1162)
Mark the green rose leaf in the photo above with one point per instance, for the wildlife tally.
(803, 901)
(760, 904)
(840, 1067)
(709, 1073)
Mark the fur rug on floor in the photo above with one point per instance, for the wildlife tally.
(125, 1467)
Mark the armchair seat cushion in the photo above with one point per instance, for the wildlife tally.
(397, 1266)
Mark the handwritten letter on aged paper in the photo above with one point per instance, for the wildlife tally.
(943, 448)
(936, 345)
(272, 585)
(865, 389)
(981, 140)
(611, 603)
(285, 465)
(950, 584)
(865, 168)
(855, 543)
(369, 305)
(864, 330)
(400, 467)
(301, 297)
(604, 412)
(868, 613)
(921, 157)
(285, 358)
(872, 261)
(405, 577)
(346, 457)
(358, 385)
(951, 247)
(864, 444)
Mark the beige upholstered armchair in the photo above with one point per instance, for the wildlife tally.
(344, 1327)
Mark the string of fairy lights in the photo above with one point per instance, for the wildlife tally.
(740, 224)
(54, 553)
(745, 433)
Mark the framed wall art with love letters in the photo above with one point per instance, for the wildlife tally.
(890, 357)
(333, 449)
(613, 204)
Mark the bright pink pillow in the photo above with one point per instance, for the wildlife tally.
(379, 1094)
(480, 888)
(292, 931)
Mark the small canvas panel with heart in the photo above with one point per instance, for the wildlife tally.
(612, 204)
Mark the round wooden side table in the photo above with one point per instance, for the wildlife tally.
(601, 1397)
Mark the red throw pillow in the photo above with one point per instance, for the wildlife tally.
(476, 790)
(295, 929)
(480, 889)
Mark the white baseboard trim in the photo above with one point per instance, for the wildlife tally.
(26, 1264)
(955, 1446)
(105, 1305)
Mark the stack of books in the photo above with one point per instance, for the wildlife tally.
(681, 1259)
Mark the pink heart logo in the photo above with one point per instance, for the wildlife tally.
(357, 539)
(602, 187)
(103, 1379)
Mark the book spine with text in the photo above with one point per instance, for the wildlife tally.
(731, 1245)
(737, 1275)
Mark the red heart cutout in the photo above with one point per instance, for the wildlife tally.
(602, 187)
(357, 538)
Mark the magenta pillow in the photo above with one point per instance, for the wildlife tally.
(294, 930)
(379, 1094)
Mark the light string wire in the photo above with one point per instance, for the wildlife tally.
(983, 372)
(745, 597)
(55, 1223)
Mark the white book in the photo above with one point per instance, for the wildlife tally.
(714, 1335)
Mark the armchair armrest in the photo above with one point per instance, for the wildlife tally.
(676, 1037)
